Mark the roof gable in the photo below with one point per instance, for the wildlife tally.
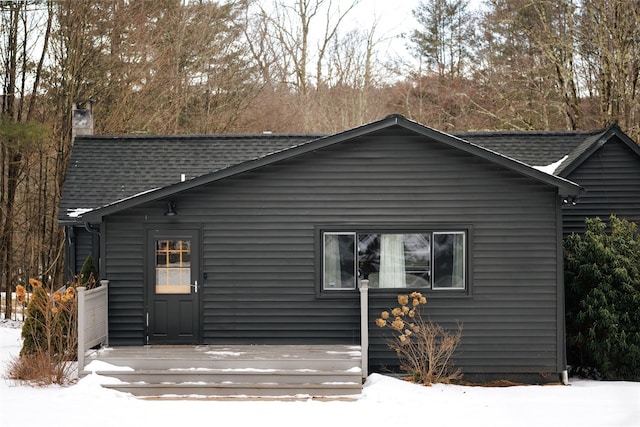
(564, 187)
(535, 148)
(590, 145)
(557, 152)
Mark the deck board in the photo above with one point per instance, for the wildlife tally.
(232, 370)
(226, 352)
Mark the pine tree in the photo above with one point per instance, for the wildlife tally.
(88, 273)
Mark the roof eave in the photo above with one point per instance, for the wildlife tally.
(565, 187)
(69, 221)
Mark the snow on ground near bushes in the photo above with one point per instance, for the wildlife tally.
(384, 401)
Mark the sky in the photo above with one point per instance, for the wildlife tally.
(392, 21)
(384, 401)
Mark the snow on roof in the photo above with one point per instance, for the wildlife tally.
(75, 213)
(550, 169)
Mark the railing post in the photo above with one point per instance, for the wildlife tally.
(364, 326)
(105, 284)
(81, 326)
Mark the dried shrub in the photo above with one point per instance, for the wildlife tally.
(424, 348)
(49, 336)
(39, 369)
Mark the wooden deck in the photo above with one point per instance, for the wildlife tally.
(279, 371)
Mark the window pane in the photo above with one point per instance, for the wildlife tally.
(173, 267)
(369, 258)
(392, 271)
(417, 260)
(339, 261)
(448, 260)
(161, 259)
(174, 258)
(395, 260)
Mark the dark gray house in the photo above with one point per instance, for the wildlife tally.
(263, 239)
(606, 164)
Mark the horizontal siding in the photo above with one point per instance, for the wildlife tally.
(124, 262)
(85, 243)
(611, 178)
(84, 247)
(259, 245)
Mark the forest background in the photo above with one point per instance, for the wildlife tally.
(290, 66)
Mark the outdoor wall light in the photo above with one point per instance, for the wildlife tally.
(171, 209)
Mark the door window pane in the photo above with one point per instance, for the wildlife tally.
(173, 266)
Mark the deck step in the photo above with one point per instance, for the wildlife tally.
(249, 375)
(239, 371)
(238, 389)
(264, 364)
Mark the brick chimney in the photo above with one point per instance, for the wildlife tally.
(82, 119)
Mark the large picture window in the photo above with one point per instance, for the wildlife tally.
(425, 259)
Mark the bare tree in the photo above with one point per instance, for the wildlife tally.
(609, 40)
(577, 58)
(518, 67)
(299, 33)
(25, 34)
(553, 31)
(307, 59)
(353, 82)
(172, 67)
(332, 23)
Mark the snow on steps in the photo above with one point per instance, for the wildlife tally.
(225, 371)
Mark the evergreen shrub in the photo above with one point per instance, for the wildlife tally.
(602, 272)
(88, 276)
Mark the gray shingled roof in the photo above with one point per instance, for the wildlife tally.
(108, 170)
(536, 148)
(124, 166)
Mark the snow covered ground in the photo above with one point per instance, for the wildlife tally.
(384, 402)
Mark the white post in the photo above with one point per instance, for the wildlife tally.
(81, 327)
(364, 326)
(105, 284)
